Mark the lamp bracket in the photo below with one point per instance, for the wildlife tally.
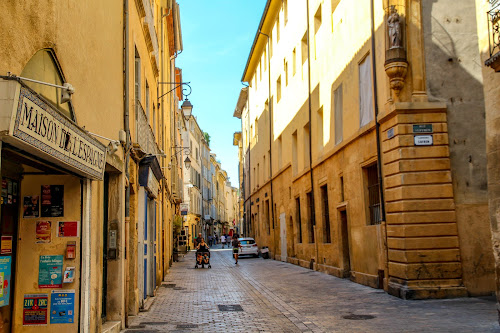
(177, 85)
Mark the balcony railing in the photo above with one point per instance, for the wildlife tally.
(494, 35)
(144, 136)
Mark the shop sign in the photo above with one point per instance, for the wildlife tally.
(35, 309)
(5, 272)
(62, 307)
(422, 128)
(6, 245)
(184, 208)
(153, 186)
(423, 140)
(50, 273)
(37, 124)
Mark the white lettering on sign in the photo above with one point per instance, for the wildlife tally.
(39, 125)
(423, 140)
(153, 184)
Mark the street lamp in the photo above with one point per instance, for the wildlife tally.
(187, 163)
(187, 109)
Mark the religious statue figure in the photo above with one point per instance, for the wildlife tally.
(394, 24)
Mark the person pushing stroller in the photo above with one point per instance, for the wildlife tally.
(202, 254)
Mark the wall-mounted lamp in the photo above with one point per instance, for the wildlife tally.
(66, 89)
(113, 144)
(186, 150)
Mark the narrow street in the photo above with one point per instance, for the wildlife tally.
(281, 297)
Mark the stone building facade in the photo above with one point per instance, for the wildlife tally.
(88, 186)
(363, 144)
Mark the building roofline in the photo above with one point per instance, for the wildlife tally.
(241, 102)
(244, 77)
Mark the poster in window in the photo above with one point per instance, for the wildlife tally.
(43, 232)
(52, 200)
(50, 274)
(31, 206)
(5, 273)
(62, 307)
(67, 229)
(35, 309)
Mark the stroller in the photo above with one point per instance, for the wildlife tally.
(203, 258)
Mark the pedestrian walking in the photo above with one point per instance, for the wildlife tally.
(223, 240)
(210, 239)
(228, 240)
(236, 249)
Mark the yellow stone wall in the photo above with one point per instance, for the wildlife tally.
(427, 215)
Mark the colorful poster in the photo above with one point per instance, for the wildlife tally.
(69, 275)
(31, 205)
(50, 273)
(62, 307)
(67, 229)
(52, 200)
(6, 245)
(43, 232)
(35, 309)
(5, 269)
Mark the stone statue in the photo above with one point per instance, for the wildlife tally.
(394, 24)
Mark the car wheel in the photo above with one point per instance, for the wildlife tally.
(256, 255)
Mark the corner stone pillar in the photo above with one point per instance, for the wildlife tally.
(422, 237)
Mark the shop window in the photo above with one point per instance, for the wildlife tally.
(373, 191)
(43, 66)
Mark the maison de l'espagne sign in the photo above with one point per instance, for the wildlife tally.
(40, 126)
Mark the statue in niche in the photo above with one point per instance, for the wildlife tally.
(394, 25)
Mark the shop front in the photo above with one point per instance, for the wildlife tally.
(149, 180)
(47, 165)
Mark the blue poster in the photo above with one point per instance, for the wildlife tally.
(62, 307)
(50, 274)
(5, 264)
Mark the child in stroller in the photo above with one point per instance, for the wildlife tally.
(202, 255)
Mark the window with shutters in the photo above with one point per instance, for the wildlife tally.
(137, 77)
(373, 191)
(327, 237)
(310, 217)
(298, 219)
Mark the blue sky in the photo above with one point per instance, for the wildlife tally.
(217, 36)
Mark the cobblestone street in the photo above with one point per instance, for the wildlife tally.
(281, 297)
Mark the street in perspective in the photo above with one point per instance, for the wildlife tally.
(249, 166)
(259, 295)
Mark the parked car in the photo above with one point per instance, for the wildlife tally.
(248, 247)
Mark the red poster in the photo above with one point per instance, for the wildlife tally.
(35, 309)
(68, 229)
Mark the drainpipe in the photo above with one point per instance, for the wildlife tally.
(313, 215)
(126, 127)
(270, 133)
(377, 131)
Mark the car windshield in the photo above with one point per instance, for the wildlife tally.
(247, 242)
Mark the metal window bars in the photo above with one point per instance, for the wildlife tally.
(494, 26)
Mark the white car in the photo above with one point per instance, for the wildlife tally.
(248, 247)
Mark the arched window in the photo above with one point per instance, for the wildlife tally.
(43, 66)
